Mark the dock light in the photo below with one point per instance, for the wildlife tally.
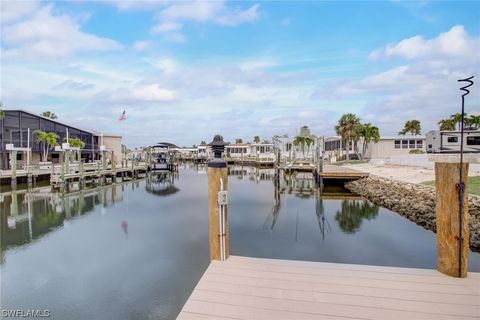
(218, 147)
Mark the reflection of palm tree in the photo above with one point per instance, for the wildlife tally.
(323, 224)
(353, 212)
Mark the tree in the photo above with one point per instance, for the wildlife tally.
(302, 142)
(348, 129)
(49, 140)
(239, 140)
(473, 121)
(411, 126)
(75, 142)
(457, 119)
(446, 125)
(256, 139)
(2, 112)
(265, 141)
(369, 133)
(49, 114)
(203, 143)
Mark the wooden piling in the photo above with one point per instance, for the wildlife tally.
(215, 175)
(452, 250)
(217, 178)
(13, 162)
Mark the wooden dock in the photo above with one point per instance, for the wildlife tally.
(254, 288)
(341, 173)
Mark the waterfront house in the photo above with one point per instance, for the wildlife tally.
(17, 124)
(386, 147)
(287, 151)
(389, 146)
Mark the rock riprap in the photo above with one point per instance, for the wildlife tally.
(414, 201)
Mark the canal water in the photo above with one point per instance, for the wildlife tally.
(136, 250)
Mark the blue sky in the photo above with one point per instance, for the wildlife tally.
(184, 71)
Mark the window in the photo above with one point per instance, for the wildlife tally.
(411, 144)
(473, 141)
(289, 146)
(397, 144)
(452, 139)
(404, 144)
(419, 144)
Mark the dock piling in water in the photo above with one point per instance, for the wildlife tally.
(452, 241)
(217, 207)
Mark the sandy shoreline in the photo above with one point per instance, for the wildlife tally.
(405, 173)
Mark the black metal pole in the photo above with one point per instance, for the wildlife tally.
(461, 184)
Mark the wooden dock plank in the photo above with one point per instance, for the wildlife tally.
(340, 172)
(252, 288)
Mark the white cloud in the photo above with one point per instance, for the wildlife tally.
(46, 35)
(455, 43)
(165, 65)
(424, 88)
(141, 45)
(14, 10)
(166, 27)
(138, 94)
(74, 85)
(172, 17)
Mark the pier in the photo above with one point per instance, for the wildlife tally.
(341, 173)
(256, 288)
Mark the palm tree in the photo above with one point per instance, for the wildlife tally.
(49, 114)
(348, 128)
(302, 142)
(256, 139)
(473, 121)
(411, 126)
(2, 113)
(457, 119)
(446, 125)
(239, 140)
(369, 133)
(75, 143)
(49, 140)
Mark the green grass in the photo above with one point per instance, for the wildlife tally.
(473, 185)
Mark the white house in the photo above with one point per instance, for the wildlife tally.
(390, 146)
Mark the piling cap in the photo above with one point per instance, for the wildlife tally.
(218, 146)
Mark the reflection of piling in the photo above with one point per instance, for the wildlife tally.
(217, 202)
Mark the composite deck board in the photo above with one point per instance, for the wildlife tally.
(253, 288)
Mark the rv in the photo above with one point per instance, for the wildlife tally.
(449, 141)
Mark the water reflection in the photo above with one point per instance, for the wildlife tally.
(28, 215)
(353, 212)
(161, 183)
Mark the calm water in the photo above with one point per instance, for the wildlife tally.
(136, 250)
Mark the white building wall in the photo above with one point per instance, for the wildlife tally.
(389, 147)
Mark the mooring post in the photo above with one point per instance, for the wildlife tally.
(451, 215)
(217, 202)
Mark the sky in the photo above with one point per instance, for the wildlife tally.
(186, 70)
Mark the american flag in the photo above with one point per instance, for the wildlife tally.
(122, 116)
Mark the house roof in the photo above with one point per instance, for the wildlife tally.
(46, 118)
